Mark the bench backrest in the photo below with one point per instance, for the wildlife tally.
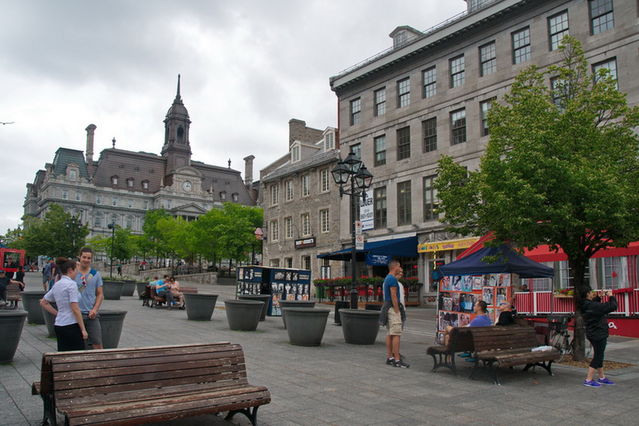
(190, 290)
(503, 338)
(13, 291)
(460, 340)
(86, 373)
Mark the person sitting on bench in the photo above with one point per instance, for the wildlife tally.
(163, 289)
(506, 315)
(481, 320)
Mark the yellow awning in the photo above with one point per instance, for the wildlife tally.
(462, 243)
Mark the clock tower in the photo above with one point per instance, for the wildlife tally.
(177, 147)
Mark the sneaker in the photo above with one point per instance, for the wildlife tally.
(591, 383)
(470, 359)
(605, 381)
(401, 364)
(390, 361)
(464, 355)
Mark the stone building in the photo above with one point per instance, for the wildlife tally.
(429, 94)
(301, 202)
(120, 186)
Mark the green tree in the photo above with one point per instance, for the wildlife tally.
(236, 230)
(13, 238)
(155, 239)
(561, 168)
(58, 234)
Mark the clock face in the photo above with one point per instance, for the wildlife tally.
(187, 186)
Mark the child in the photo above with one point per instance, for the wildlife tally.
(69, 326)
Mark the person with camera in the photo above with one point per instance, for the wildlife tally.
(595, 315)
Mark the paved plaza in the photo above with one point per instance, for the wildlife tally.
(343, 384)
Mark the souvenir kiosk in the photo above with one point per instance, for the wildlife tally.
(491, 274)
(280, 283)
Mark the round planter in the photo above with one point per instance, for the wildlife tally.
(111, 324)
(294, 304)
(31, 304)
(243, 315)
(305, 326)
(260, 298)
(112, 290)
(128, 288)
(199, 307)
(11, 323)
(49, 320)
(360, 327)
(140, 288)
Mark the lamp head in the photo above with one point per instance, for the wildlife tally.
(340, 173)
(363, 178)
(352, 162)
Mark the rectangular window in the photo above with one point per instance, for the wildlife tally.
(329, 141)
(601, 16)
(403, 203)
(613, 274)
(521, 45)
(97, 221)
(457, 71)
(484, 107)
(275, 230)
(429, 77)
(275, 263)
(325, 225)
(379, 204)
(403, 92)
(146, 205)
(65, 195)
(557, 29)
(356, 149)
(610, 65)
(288, 227)
(380, 101)
(78, 196)
(295, 154)
(488, 58)
(289, 190)
(429, 128)
(403, 143)
(306, 224)
(557, 89)
(356, 109)
(324, 180)
(380, 150)
(275, 194)
(306, 262)
(430, 199)
(288, 262)
(458, 126)
(306, 187)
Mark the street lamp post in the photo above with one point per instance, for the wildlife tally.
(352, 170)
(111, 226)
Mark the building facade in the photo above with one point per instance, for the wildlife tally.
(122, 185)
(301, 202)
(429, 95)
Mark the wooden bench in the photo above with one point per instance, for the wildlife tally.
(143, 385)
(509, 346)
(460, 340)
(13, 295)
(189, 290)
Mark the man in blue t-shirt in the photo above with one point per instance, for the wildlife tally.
(393, 313)
(89, 283)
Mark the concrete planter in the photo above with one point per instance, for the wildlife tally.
(294, 304)
(112, 290)
(111, 324)
(31, 304)
(11, 323)
(128, 288)
(360, 327)
(199, 307)
(260, 298)
(140, 288)
(49, 320)
(243, 315)
(305, 326)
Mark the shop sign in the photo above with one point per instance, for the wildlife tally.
(377, 259)
(305, 243)
(429, 247)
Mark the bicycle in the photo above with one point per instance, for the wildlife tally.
(559, 337)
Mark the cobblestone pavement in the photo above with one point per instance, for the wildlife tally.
(343, 384)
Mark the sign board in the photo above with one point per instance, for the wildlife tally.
(429, 247)
(359, 242)
(358, 227)
(367, 211)
(305, 243)
(377, 259)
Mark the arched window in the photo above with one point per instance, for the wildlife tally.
(180, 134)
(114, 180)
(223, 195)
(235, 196)
(145, 184)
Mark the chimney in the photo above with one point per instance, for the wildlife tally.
(248, 170)
(89, 151)
(296, 130)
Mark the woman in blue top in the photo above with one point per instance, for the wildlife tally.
(69, 327)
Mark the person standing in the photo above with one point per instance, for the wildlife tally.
(393, 314)
(89, 283)
(69, 328)
(595, 315)
(47, 274)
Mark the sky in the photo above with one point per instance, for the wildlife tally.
(247, 67)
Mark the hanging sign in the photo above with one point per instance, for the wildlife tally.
(367, 211)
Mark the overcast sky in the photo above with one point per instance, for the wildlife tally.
(247, 66)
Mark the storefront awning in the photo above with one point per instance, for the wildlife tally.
(392, 248)
(430, 247)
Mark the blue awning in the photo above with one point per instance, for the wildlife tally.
(375, 251)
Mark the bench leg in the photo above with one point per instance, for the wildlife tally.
(251, 413)
(49, 416)
(436, 364)
(545, 365)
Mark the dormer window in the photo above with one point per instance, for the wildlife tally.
(235, 197)
(329, 141)
(145, 184)
(129, 183)
(223, 195)
(73, 174)
(400, 39)
(114, 180)
(295, 154)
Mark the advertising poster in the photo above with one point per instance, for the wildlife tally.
(367, 211)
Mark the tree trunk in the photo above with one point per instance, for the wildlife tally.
(578, 269)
